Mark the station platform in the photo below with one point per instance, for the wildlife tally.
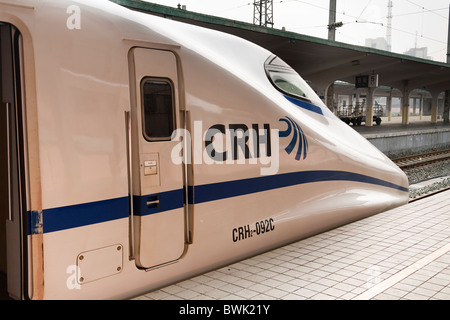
(392, 137)
(395, 126)
(400, 254)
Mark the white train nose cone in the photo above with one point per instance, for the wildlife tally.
(335, 153)
(375, 169)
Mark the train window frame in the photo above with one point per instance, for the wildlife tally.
(275, 66)
(171, 122)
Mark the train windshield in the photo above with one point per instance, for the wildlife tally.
(287, 80)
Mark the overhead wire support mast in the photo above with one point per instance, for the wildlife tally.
(263, 13)
(332, 24)
(389, 26)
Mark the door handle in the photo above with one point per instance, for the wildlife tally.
(130, 181)
(8, 156)
(153, 203)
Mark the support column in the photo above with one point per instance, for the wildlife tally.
(446, 113)
(369, 107)
(389, 105)
(405, 104)
(434, 107)
(421, 106)
(330, 97)
(357, 108)
(321, 88)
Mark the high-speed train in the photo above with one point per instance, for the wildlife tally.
(137, 151)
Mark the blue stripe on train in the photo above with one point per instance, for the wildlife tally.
(106, 210)
(222, 190)
(79, 215)
(101, 211)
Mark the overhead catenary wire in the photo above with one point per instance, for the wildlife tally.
(420, 6)
(356, 19)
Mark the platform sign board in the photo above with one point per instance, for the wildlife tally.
(366, 81)
(362, 81)
(373, 81)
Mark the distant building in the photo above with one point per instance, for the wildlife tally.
(378, 43)
(419, 53)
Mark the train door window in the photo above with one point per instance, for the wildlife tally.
(157, 109)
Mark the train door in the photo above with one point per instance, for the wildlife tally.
(158, 206)
(12, 173)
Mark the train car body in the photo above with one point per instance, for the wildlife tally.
(138, 151)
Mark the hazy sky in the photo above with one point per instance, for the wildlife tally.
(414, 22)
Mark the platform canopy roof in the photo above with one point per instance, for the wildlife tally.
(318, 60)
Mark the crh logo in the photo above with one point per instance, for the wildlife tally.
(298, 139)
(228, 144)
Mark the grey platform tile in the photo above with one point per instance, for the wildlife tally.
(342, 263)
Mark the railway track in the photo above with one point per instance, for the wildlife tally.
(429, 194)
(420, 160)
(423, 159)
